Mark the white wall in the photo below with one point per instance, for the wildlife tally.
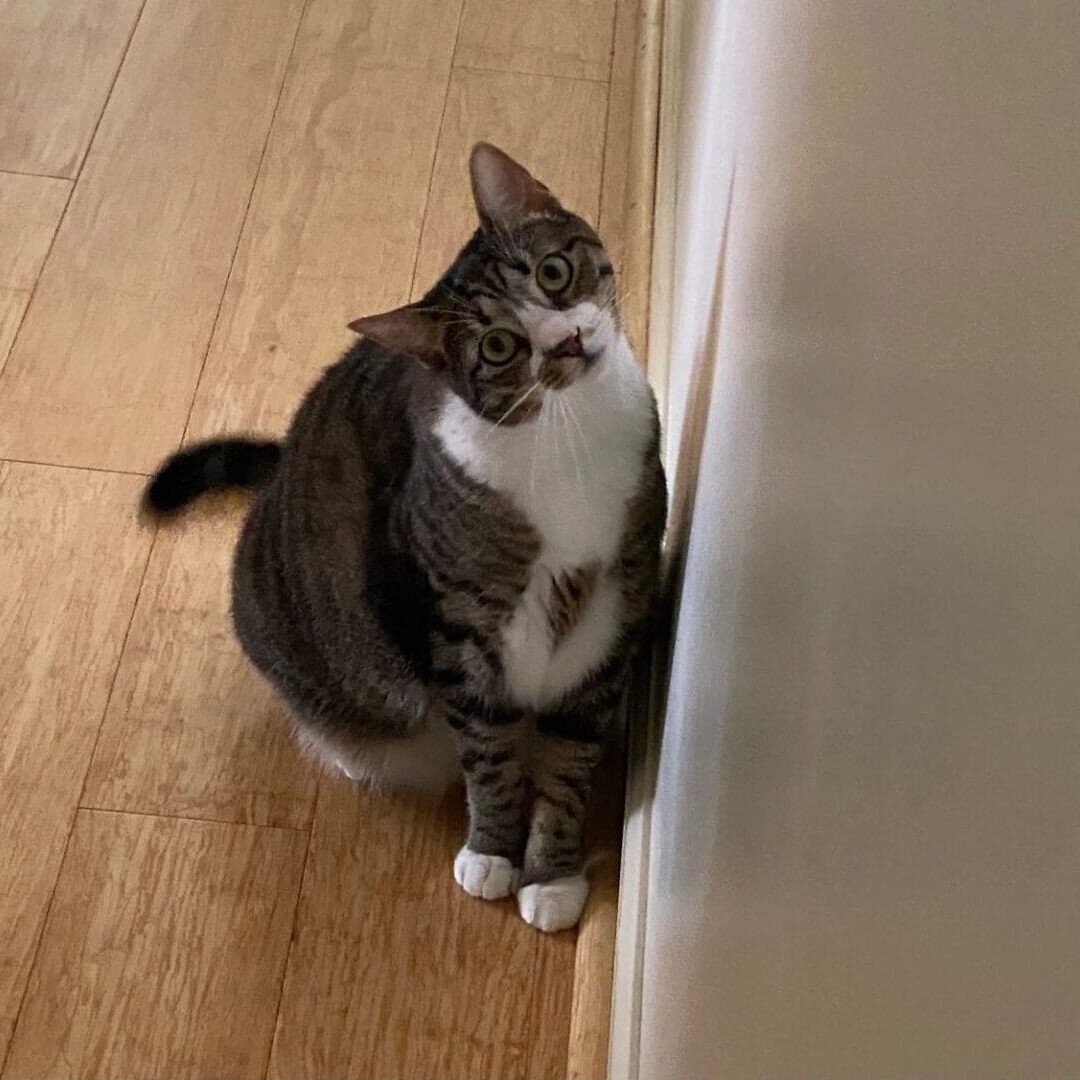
(865, 856)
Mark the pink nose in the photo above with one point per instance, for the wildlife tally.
(569, 346)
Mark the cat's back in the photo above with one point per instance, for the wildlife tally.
(359, 409)
(314, 562)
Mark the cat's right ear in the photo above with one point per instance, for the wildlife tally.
(408, 331)
(505, 192)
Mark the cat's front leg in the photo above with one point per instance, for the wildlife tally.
(490, 743)
(568, 746)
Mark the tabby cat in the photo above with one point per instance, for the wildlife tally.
(454, 553)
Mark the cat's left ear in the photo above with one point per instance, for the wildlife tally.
(408, 331)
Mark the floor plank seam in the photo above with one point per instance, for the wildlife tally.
(612, 44)
(116, 672)
(435, 152)
(108, 94)
(77, 468)
(530, 74)
(38, 175)
(600, 215)
(187, 817)
(32, 292)
(74, 181)
(292, 937)
(286, 74)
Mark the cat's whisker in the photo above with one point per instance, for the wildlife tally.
(463, 304)
(538, 437)
(561, 402)
(455, 313)
(517, 404)
(580, 430)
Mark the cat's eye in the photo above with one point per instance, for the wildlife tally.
(554, 273)
(498, 346)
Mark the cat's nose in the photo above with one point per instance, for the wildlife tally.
(569, 346)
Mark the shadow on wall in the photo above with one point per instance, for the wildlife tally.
(683, 477)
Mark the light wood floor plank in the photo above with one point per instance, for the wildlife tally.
(626, 213)
(619, 129)
(104, 368)
(335, 220)
(30, 210)
(73, 557)
(165, 947)
(554, 126)
(163, 951)
(550, 1010)
(395, 971)
(58, 59)
(192, 729)
(594, 959)
(568, 38)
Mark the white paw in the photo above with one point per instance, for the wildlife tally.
(554, 905)
(490, 877)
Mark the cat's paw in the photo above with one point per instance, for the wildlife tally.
(491, 877)
(554, 905)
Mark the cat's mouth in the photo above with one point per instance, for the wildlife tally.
(564, 363)
(569, 346)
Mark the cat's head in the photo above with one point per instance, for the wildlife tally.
(527, 308)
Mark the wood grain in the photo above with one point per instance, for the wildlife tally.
(395, 971)
(73, 557)
(640, 193)
(552, 975)
(614, 195)
(163, 951)
(58, 59)
(166, 943)
(192, 729)
(335, 220)
(567, 38)
(30, 210)
(553, 126)
(594, 959)
(104, 368)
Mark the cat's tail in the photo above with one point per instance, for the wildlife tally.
(209, 466)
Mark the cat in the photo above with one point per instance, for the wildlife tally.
(452, 558)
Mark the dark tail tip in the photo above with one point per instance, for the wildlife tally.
(209, 466)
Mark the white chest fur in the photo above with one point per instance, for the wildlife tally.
(570, 471)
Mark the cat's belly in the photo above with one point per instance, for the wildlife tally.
(540, 663)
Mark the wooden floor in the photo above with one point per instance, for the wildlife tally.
(195, 197)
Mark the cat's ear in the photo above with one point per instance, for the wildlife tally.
(505, 192)
(409, 331)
